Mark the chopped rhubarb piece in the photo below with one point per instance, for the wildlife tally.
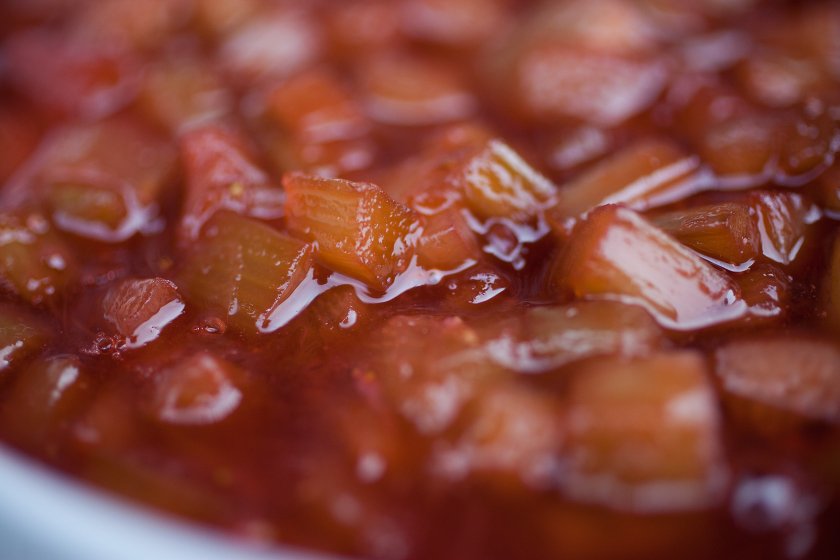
(409, 91)
(275, 44)
(199, 390)
(767, 292)
(431, 368)
(800, 376)
(36, 265)
(315, 107)
(480, 285)
(360, 231)
(498, 183)
(447, 241)
(726, 232)
(546, 338)
(243, 270)
(744, 146)
(100, 180)
(221, 175)
(182, 91)
(21, 336)
(646, 174)
(828, 189)
(140, 309)
(96, 79)
(555, 81)
(777, 80)
(783, 220)
(615, 254)
(45, 394)
(512, 437)
(644, 435)
(325, 129)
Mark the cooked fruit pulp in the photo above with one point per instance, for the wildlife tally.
(431, 279)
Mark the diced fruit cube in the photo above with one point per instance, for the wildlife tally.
(199, 390)
(96, 79)
(777, 80)
(498, 183)
(325, 129)
(102, 180)
(447, 242)
(36, 265)
(181, 91)
(646, 174)
(409, 91)
(21, 336)
(644, 435)
(221, 175)
(615, 254)
(243, 270)
(140, 309)
(431, 368)
(791, 374)
(554, 80)
(512, 436)
(726, 232)
(360, 231)
(46, 392)
(767, 292)
(744, 146)
(783, 218)
(546, 338)
(315, 107)
(275, 44)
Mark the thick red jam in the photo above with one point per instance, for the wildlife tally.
(431, 279)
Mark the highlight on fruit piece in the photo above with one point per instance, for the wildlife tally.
(783, 220)
(244, 271)
(36, 264)
(21, 336)
(430, 368)
(727, 232)
(221, 175)
(43, 395)
(182, 92)
(198, 391)
(790, 374)
(140, 309)
(321, 128)
(615, 254)
(405, 90)
(498, 183)
(549, 337)
(101, 180)
(360, 231)
(646, 174)
(512, 437)
(644, 435)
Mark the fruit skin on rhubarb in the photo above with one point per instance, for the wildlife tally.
(359, 230)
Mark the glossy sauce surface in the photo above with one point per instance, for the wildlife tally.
(431, 279)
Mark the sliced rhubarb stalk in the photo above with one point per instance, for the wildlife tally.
(617, 255)
(360, 231)
(243, 270)
(644, 435)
